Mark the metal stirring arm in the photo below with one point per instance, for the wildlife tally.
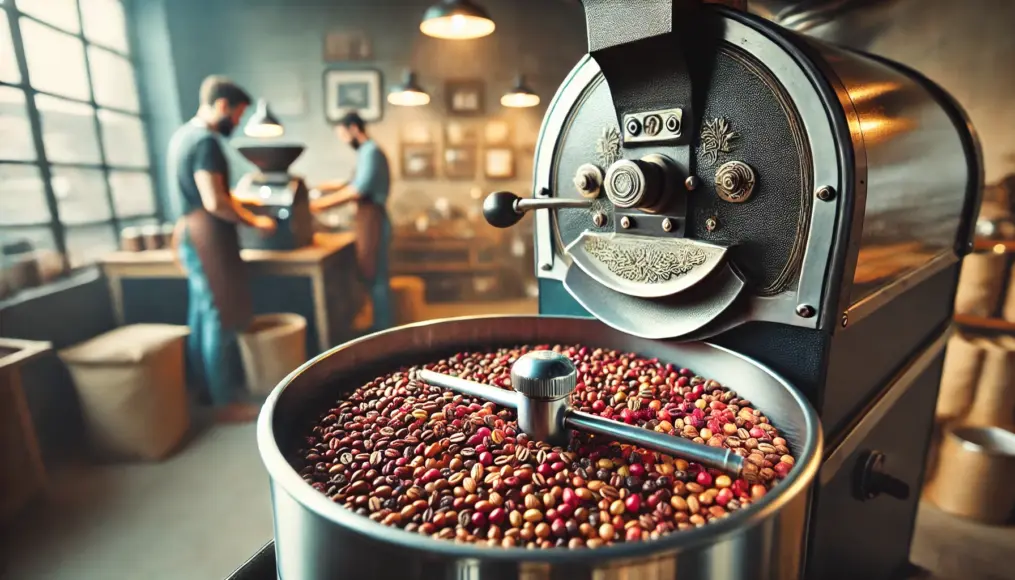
(541, 398)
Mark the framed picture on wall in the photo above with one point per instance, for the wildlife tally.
(499, 163)
(416, 134)
(418, 160)
(460, 161)
(465, 97)
(353, 90)
(497, 132)
(461, 133)
(346, 46)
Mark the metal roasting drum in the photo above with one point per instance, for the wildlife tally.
(778, 214)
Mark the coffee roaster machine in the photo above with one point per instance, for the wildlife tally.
(706, 178)
(274, 192)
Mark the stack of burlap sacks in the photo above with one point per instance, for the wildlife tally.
(978, 382)
(972, 459)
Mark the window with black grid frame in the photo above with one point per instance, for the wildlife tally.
(74, 160)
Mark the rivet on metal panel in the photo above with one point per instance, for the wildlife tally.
(625, 222)
(805, 311)
(691, 183)
(825, 193)
(845, 319)
(599, 220)
(711, 224)
(667, 225)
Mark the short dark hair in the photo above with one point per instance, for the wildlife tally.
(352, 119)
(217, 87)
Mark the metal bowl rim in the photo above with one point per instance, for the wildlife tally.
(283, 475)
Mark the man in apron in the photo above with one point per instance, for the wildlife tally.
(219, 303)
(369, 191)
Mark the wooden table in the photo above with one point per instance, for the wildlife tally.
(329, 264)
(22, 474)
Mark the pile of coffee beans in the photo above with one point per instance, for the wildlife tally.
(415, 456)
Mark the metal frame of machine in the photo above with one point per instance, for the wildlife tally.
(868, 366)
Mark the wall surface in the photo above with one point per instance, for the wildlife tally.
(274, 49)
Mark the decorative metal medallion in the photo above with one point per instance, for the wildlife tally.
(608, 146)
(651, 261)
(717, 136)
(734, 182)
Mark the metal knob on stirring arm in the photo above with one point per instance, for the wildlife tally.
(543, 383)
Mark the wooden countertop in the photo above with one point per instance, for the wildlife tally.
(16, 352)
(325, 244)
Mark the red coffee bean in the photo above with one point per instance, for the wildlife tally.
(446, 465)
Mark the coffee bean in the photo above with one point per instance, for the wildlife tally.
(453, 467)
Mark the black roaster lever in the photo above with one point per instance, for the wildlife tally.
(503, 209)
(872, 480)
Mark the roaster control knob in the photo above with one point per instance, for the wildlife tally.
(500, 209)
(544, 375)
(872, 480)
(635, 183)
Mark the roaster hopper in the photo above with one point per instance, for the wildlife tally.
(780, 214)
(272, 191)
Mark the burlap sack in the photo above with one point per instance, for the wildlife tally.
(994, 401)
(409, 298)
(980, 284)
(132, 389)
(271, 348)
(1008, 308)
(963, 360)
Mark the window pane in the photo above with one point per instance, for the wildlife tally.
(123, 137)
(68, 131)
(80, 195)
(104, 23)
(61, 13)
(85, 245)
(16, 142)
(56, 61)
(22, 196)
(8, 63)
(132, 193)
(112, 79)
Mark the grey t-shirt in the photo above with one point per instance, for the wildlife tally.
(194, 147)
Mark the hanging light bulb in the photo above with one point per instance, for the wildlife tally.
(456, 20)
(408, 93)
(521, 96)
(262, 123)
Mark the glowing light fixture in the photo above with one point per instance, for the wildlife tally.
(263, 124)
(521, 96)
(456, 20)
(408, 93)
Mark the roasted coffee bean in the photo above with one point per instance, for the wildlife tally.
(445, 465)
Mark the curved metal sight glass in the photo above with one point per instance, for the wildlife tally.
(544, 381)
(456, 20)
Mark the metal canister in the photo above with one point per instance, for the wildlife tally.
(975, 476)
(152, 236)
(130, 240)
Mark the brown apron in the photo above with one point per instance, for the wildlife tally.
(218, 249)
(369, 226)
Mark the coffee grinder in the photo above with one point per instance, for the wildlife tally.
(274, 192)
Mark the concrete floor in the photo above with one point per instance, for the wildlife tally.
(195, 516)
